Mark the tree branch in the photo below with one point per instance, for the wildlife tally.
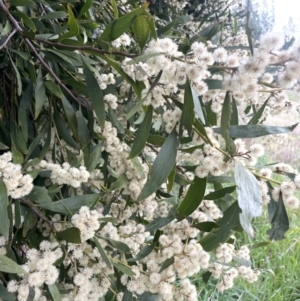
(17, 27)
(85, 48)
(8, 38)
(39, 213)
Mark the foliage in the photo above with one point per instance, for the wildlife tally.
(120, 129)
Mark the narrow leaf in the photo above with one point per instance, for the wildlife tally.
(4, 220)
(102, 252)
(40, 95)
(161, 167)
(95, 94)
(69, 235)
(280, 221)
(114, 29)
(73, 26)
(142, 134)
(188, 115)
(225, 122)
(256, 130)
(219, 193)
(258, 114)
(54, 292)
(124, 269)
(193, 198)
(72, 204)
(9, 266)
(229, 220)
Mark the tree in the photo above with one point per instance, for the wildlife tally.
(124, 170)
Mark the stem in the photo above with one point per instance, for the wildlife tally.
(8, 38)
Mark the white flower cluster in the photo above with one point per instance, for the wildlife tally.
(65, 174)
(123, 40)
(40, 270)
(87, 221)
(17, 184)
(226, 274)
(106, 79)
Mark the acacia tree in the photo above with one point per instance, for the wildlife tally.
(125, 169)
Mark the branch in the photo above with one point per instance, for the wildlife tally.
(39, 213)
(7, 39)
(87, 48)
(17, 27)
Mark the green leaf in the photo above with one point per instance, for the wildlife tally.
(193, 198)
(9, 266)
(54, 292)
(27, 21)
(206, 226)
(162, 166)
(4, 220)
(23, 108)
(5, 295)
(160, 222)
(120, 182)
(73, 26)
(188, 115)
(171, 179)
(95, 94)
(141, 30)
(94, 158)
(144, 252)
(18, 77)
(71, 117)
(102, 252)
(62, 130)
(225, 123)
(83, 135)
(54, 15)
(124, 269)
(69, 235)
(127, 296)
(234, 120)
(21, 3)
(166, 264)
(156, 140)
(229, 220)
(164, 29)
(142, 134)
(85, 7)
(249, 33)
(115, 29)
(256, 130)
(255, 119)
(39, 195)
(218, 194)
(40, 95)
(121, 246)
(72, 204)
(144, 57)
(280, 221)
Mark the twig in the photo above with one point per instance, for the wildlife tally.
(8, 38)
(85, 48)
(15, 24)
(39, 213)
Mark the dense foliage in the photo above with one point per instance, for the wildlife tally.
(126, 165)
